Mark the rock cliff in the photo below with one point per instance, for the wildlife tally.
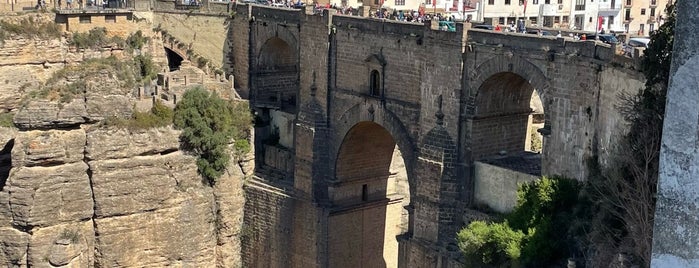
(106, 197)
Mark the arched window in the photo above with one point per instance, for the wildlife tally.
(375, 83)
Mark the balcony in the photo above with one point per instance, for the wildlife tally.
(651, 20)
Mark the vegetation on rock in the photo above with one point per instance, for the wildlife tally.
(158, 116)
(208, 125)
(6, 119)
(95, 38)
(137, 40)
(29, 28)
(71, 82)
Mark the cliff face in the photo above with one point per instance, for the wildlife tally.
(100, 197)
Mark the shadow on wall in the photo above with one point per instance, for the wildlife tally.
(6, 162)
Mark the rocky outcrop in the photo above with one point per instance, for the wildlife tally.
(107, 197)
(103, 96)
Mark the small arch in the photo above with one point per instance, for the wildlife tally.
(174, 60)
(375, 83)
(276, 54)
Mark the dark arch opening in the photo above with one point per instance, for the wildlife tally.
(368, 196)
(276, 55)
(508, 115)
(375, 78)
(275, 81)
(174, 60)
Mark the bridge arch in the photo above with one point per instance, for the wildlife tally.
(375, 112)
(368, 197)
(509, 97)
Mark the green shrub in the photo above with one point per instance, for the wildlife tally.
(95, 38)
(137, 40)
(30, 28)
(208, 125)
(158, 116)
(495, 243)
(545, 210)
(547, 215)
(145, 66)
(6, 119)
(201, 62)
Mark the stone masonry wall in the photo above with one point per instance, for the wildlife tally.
(266, 227)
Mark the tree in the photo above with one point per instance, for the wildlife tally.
(626, 192)
(209, 124)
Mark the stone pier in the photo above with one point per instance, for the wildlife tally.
(676, 232)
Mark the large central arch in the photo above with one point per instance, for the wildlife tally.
(369, 194)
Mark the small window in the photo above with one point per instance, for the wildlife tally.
(85, 19)
(643, 11)
(507, 2)
(365, 192)
(110, 18)
(491, 2)
(590, 19)
(400, 2)
(375, 83)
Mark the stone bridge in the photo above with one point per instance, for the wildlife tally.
(368, 132)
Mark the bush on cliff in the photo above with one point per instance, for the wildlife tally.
(95, 38)
(158, 116)
(208, 125)
(29, 28)
(540, 231)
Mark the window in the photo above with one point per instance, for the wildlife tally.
(376, 2)
(652, 11)
(508, 2)
(653, 2)
(533, 19)
(365, 192)
(565, 19)
(548, 2)
(85, 19)
(501, 20)
(643, 11)
(651, 28)
(556, 19)
(627, 15)
(491, 2)
(535, 2)
(579, 4)
(375, 83)
(400, 2)
(110, 18)
(628, 2)
(590, 19)
(560, 2)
